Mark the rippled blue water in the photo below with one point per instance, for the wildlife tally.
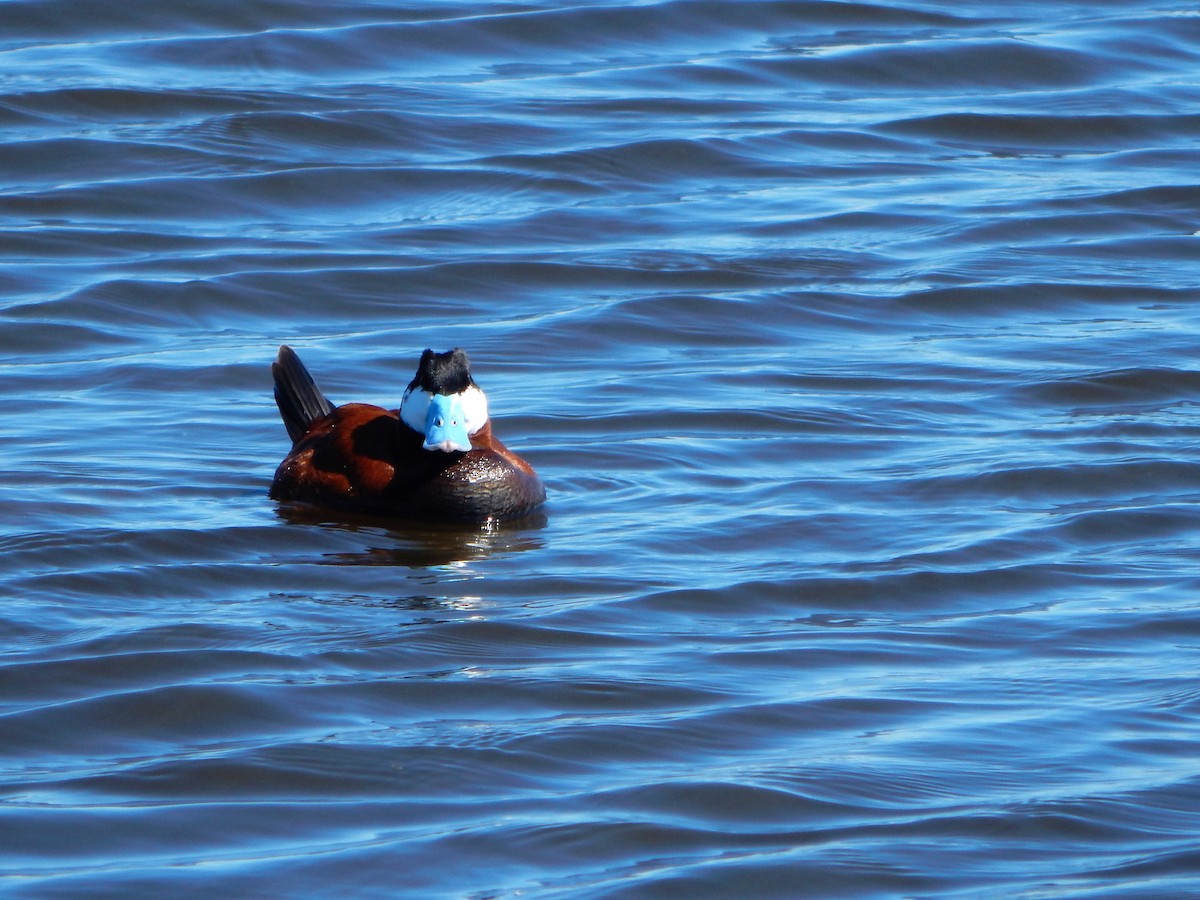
(856, 344)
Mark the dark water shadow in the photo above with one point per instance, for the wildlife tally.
(396, 542)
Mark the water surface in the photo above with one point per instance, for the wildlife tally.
(855, 344)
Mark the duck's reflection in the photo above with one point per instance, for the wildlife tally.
(418, 545)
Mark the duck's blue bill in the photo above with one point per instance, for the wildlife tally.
(446, 425)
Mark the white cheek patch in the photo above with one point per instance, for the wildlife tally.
(474, 405)
(414, 408)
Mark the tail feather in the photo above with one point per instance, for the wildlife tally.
(299, 399)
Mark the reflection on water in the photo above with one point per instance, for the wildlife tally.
(417, 544)
(425, 604)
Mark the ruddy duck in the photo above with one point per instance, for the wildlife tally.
(434, 458)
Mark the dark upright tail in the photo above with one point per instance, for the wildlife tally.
(299, 399)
